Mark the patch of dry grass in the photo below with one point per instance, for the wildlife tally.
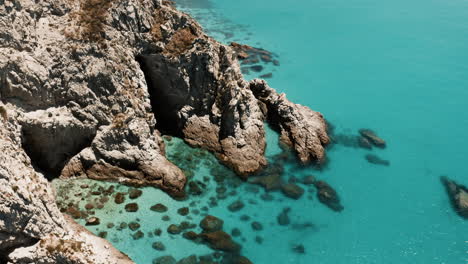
(91, 20)
(180, 42)
(119, 121)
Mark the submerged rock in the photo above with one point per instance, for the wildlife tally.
(138, 235)
(257, 226)
(211, 223)
(259, 239)
(233, 258)
(190, 235)
(184, 211)
(363, 142)
(165, 260)
(266, 76)
(157, 232)
(269, 182)
(458, 195)
(131, 207)
(192, 259)
(283, 218)
(103, 234)
(308, 180)
(134, 193)
(328, 196)
(134, 226)
(194, 188)
(236, 206)
(372, 137)
(257, 68)
(158, 246)
(235, 232)
(292, 190)
(93, 221)
(174, 229)
(119, 198)
(186, 225)
(305, 225)
(220, 240)
(374, 159)
(267, 197)
(160, 208)
(299, 249)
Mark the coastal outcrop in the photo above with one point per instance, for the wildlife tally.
(87, 87)
(32, 229)
(69, 69)
(200, 94)
(300, 127)
(458, 195)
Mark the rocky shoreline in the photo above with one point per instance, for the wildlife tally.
(85, 89)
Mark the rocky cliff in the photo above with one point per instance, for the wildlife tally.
(86, 86)
(32, 229)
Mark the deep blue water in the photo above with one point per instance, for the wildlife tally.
(397, 67)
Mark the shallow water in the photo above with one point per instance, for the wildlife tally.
(397, 67)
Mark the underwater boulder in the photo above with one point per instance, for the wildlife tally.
(119, 198)
(159, 207)
(236, 206)
(165, 260)
(373, 138)
(283, 218)
(134, 193)
(328, 196)
(220, 240)
(374, 159)
(131, 207)
(458, 195)
(292, 190)
(363, 142)
(211, 223)
(93, 221)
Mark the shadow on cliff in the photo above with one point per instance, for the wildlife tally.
(50, 151)
(165, 100)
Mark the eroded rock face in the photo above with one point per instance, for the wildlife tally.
(69, 67)
(32, 230)
(200, 94)
(74, 96)
(300, 127)
(130, 154)
(53, 136)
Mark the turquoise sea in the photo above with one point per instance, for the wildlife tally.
(397, 67)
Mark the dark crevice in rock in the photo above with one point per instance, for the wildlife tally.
(7, 249)
(51, 149)
(167, 92)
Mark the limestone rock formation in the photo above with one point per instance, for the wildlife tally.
(70, 69)
(82, 84)
(200, 94)
(32, 229)
(300, 127)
